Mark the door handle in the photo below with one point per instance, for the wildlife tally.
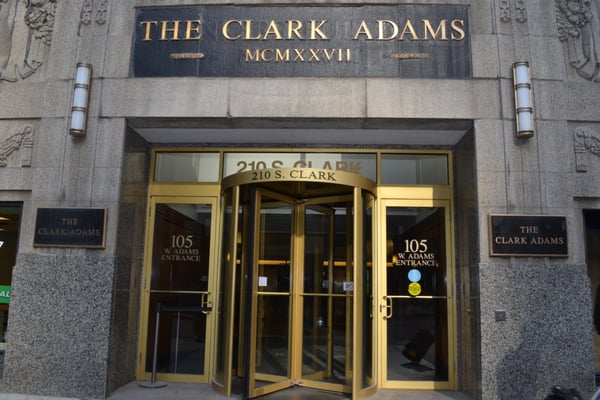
(205, 303)
(388, 307)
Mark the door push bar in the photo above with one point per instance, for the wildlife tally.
(388, 307)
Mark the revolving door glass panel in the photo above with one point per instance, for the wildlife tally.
(295, 257)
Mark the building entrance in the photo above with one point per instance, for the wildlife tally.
(329, 271)
(303, 271)
(417, 300)
(178, 291)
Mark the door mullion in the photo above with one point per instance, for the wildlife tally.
(297, 289)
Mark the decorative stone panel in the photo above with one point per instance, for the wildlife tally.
(88, 12)
(26, 29)
(16, 148)
(579, 29)
(520, 10)
(586, 142)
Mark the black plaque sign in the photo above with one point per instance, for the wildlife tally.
(70, 227)
(528, 235)
(407, 41)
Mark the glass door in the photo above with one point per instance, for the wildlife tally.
(176, 342)
(324, 294)
(297, 283)
(303, 278)
(417, 303)
(270, 305)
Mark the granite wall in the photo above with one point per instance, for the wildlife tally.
(123, 345)
(466, 231)
(546, 338)
(59, 325)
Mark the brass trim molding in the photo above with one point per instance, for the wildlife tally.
(299, 175)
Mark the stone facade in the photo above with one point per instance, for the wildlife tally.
(73, 321)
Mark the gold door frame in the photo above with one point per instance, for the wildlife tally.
(207, 296)
(383, 306)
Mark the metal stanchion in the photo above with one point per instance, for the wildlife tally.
(153, 384)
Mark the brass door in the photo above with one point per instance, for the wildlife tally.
(417, 304)
(302, 294)
(176, 340)
(296, 291)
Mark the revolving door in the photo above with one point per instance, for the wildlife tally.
(295, 285)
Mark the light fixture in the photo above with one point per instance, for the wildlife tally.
(81, 95)
(523, 99)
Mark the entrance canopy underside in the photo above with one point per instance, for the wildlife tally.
(373, 132)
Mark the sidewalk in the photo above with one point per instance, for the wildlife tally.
(189, 391)
(192, 391)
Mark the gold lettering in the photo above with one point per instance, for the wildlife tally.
(147, 25)
(281, 56)
(295, 31)
(249, 31)
(303, 164)
(272, 30)
(264, 57)
(381, 23)
(355, 167)
(252, 56)
(225, 29)
(529, 229)
(511, 240)
(299, 54)
(429, 29)
(191, 28)
(457, 26)
(328, 53)
(316, 29)
(174, 29)
(314, 54)
(363, 29)
(409, 27)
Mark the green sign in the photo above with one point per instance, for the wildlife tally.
(4, 294)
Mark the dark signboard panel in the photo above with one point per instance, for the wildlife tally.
(406, 41)
(528, 235)
(70, 227)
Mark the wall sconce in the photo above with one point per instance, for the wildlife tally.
(523, 99)
(81, 96)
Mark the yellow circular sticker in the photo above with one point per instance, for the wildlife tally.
(414, 289)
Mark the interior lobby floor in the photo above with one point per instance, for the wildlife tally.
(189, 391)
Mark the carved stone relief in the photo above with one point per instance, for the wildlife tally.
(579, 28)
(26, 28)
(586, 142)
(18, 143)
(521, 11)
(88, 8)
(519, 7)
(504, 11)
